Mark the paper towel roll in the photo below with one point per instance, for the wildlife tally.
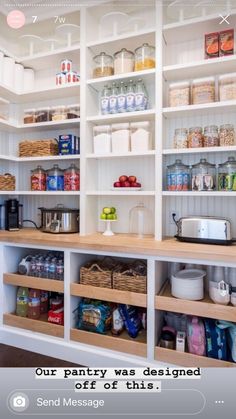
(1, 65)
(28, 79)
(19, 78)
(8, 71)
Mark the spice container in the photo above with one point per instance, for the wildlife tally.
(227, 175)
(73, 111)
(227, 87)
(227, 135)
(55, 179)
(179, 94)
(178, 177)
(102, 139)
(140, 136)
(59, 113)
(203, 90)
(42, 115)
(123, 61)
(145, 57)
(72, 178)
(29, 116)
(211, 136)
(195, 137)
(103, 65)
(38, 179)
(120, 138)
(203, 176)
(181, 138)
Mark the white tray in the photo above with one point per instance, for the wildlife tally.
(126, 189)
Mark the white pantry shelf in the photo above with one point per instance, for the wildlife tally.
(121, 155)
(146, 75)
(173, 151)
(121, 193)
(127, 116)
(42, 126)
(39, 193)
(202, 68)
(192, 110)
(40, 159)
(121, 37)
(206, 194)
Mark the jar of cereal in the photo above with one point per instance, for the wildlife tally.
(195, 137)
(227, 135)
(178, 177)
(179, 94)
(211, 136)
(181, 138)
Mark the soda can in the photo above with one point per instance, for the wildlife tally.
(71, 77)
(60, 79)
(66, 66)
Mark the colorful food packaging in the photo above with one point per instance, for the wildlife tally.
(212, 45)
(131, 319)
(226, 42)
(68, 144)
(94, 316)
(56, 316)
(117, 322)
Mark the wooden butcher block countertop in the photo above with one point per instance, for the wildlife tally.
(122, 243)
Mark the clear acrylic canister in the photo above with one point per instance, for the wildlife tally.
(102, 139)
(140, 136)
(120, 138)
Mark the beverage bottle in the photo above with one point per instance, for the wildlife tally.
(52, 268)
(46, 267)
(34, 304)
(22, 300)
(43, 302)
(146, 98)
(121, 98)
(113, 99)
(130, 97)
(60, 270)
(32, 270)
(105, 100)
(139, 96)
(39, 266)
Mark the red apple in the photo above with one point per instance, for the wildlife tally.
(134, 184)
(127, 184)
(123, 178)
(116, 184)
(138, 185)
(132, 179)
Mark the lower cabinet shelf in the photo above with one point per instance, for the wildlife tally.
(41, 325)
(122, 343)
(170, 356)
(32, 282)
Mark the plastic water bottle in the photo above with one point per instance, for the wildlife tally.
(146, 98)
(60, 270)
(46, 268)
(121, 99)
(52, 268)
(105, 96)
(22, 301)
(113, 99)
(33, 266)
(140, 96)
(130, 97)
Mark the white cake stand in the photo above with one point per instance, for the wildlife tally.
(108, 231)
(69, 29)
(31, 41)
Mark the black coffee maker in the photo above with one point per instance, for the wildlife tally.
(13, 215)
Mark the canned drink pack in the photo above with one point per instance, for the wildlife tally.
(72, 77)
(60, 79)
(66, 66)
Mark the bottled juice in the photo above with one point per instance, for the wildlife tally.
(22, 300)
(34, 304)
(43, 302)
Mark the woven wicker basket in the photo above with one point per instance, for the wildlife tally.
(130, 280)
(38, 148)
(96, 275)
(7, 182)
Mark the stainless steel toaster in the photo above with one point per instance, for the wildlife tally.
(204, 230)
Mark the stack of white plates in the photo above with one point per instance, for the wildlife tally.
(188, 284)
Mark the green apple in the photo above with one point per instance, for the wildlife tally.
(103, 216)
(113, 210)
(110, 217)
(106, 210)
(114, 216)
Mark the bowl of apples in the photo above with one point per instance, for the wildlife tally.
(129, 183)
(108, 215)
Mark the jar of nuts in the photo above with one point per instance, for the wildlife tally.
(211, 136)
(103, 65)
(179, 94)
(181, 138)
(203, 90)
(195, 137)
(227, 135)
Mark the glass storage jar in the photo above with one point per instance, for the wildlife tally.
(72, 178)
(203, 90)
(55, 179)
(195, 137)
(4, 109)
(178, 177)
(29, 116)
(73, 111)
(227, 135)
(42, 115)
(38, 179)
(140, 221)
(123, 61)
(227, 87)
(211, 136)
(203, 176)
(227, 175)
(140, 136)
(181, 138)
(179, 94)
(59, 113)
(145, 57)
(102, 139)
(103, 65)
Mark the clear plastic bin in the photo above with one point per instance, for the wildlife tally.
(29, 116)
(102, 139)
(120, 138)
(140, 136)
(59, 113)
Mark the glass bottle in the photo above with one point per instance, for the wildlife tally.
(139, 99)
(130, 97)
(22, 300)
(140, 221)
(113, 99)
(105, 96)
(121, 98)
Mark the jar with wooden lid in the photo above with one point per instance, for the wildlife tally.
(123, 61)
(211, 136)
(195, 137)
(227, 87)
(227, 135)
(103, 65)
(145, 57)
(181, 138)
(203, 90)
(179, 94)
